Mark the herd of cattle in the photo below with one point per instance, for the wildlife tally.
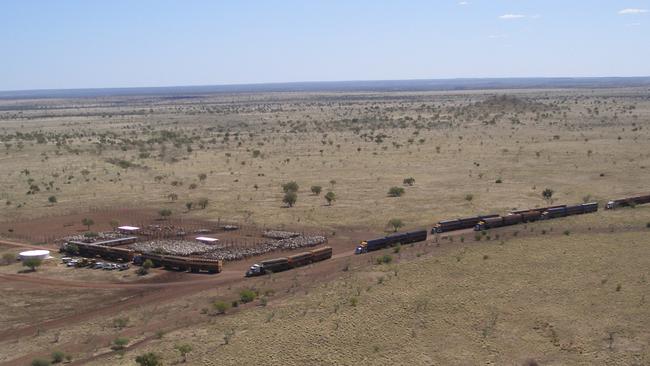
(109, 249)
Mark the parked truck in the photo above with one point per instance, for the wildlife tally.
(290, 262)
(570, 210)
(391, 240)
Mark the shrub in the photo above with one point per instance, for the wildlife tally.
(354, 301)
(247, 296)
(8, 258)
(329, 197)
(409, 181)
(58, 356)
(385, 259)
(165, 212)
(498, 181)
(397, 248)
(469, 197)
(51, 199)
(547, 194)
(183, 349)
(567, 232)
(220, 307)
(148, 359)
(396, 191)
(119, 343)
(40, 362)
(647, 225)
(316, 190)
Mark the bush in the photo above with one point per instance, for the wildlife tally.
(385, 259)
(247, 296)
(409, 181)
(40, 362)
(8, 258)
(57, 356)
(220, 307)
(647, 225)
(396, 191)
(498, 181)
(316, 190)
(148, 359)
(119, 343)
(354, 301)
(567, 232)
(329, 197)
(397, 248)
(395, 224)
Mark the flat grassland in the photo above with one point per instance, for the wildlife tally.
(567, 291)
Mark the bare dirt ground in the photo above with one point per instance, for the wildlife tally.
(568, 291)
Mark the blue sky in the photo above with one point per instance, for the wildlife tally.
(79, 44)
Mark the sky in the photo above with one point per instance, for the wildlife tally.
(142, 43)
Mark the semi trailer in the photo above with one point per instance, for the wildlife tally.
(391, 240)
(290, 262)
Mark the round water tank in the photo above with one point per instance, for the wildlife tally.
(38, 254)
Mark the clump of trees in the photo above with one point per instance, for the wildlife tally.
(32, 263)
(330, 197)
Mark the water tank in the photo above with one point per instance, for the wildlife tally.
(38, 254)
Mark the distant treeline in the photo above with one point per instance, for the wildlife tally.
(179, 92)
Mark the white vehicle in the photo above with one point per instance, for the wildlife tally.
(72, 262)
(98, 265)
(65, 259)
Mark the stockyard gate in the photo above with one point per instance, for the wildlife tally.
(174, 243)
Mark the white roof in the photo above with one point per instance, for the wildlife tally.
(206, 238)
(34, 253)
(129, 228)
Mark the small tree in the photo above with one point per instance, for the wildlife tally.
(469, 197)
(183, 349)
(290, 187)
(114, 223)
(290, 198)
(316, 190)
(203, 203)
(87, 222)
(203, 177)
(51, 199)
(148, 359)
(330, 196)
(547, 194)
(409, 181)
(172, 196)
(188, 205)
(395, 224)
(32, 263)
(396, 191)
(8, 258)
(165, 213)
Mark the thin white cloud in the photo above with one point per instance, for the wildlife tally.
(632, 11)
(497, 36)
(512, 16)
(463, 3)
(632, 24)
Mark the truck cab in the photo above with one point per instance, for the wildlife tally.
(361, 248)
(610, 205)
(255, 270)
